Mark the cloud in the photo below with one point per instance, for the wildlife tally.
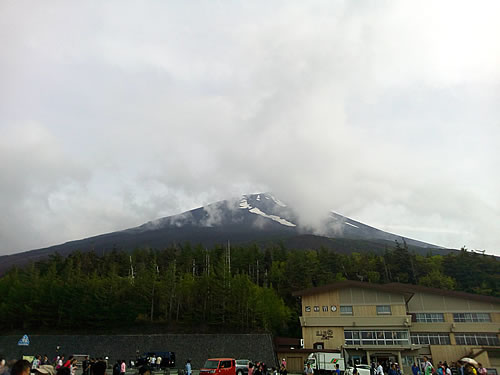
(119, 113)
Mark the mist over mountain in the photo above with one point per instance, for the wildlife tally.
(255, 218)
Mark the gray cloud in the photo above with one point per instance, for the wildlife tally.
(115, 114)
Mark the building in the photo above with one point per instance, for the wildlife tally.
(401, 323)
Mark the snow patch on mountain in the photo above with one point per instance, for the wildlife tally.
(278, 219)
(244, 203)
(276, 200)
(352, 225)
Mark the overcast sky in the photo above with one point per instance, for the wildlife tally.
(116, 113)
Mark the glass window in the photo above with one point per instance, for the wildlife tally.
(383, 309)
(376, 337)
(486, 339)
(346, 310)
(429, 317)
(430, 338)
(471, 317)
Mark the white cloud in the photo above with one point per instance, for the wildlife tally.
(386, 112)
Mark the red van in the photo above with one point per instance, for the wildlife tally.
(219, 366)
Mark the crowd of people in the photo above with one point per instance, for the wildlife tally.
(455, 368)
(260, 368)
(59, 366)
(427, 368)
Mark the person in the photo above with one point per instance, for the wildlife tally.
(68, 362)
(481, 370)
(3, 367)
(337, 370)
(36, 362)
(99, 368)
(153, 361)
(380, 369)
(123, 367)
(116, 368)
(158, 362)
(283, 370)
(309, 370)
(86, 366)
(21, 367)
(283, 362)
(73, 366)
(145, 370)
(188, 367)
(427, 366)
(250, 368)
(414, 369)
(470, 370)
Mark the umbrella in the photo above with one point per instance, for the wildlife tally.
(46, 370)
(469, 361)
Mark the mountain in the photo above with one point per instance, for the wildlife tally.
(256, 218)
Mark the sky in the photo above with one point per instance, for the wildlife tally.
(119, 112)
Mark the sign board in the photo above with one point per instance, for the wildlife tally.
(25, 341)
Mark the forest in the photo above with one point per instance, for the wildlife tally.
(222, 289)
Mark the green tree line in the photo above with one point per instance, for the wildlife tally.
(193, 289)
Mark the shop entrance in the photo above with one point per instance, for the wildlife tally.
(385, 360)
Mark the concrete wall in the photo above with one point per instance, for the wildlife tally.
(195, 347)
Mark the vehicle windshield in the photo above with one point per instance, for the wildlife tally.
(211, 364)
(242, 362)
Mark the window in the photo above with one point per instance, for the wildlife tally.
(376, 338)
(383, 310)
(346, 310)
(429, 317)
(318, 345)
(486, 339)
(471, 317)
(430, 338)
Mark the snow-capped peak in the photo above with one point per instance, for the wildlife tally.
(255, 210)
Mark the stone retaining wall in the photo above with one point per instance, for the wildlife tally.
(193, 346)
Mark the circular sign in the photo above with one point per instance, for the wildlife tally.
(334, 308)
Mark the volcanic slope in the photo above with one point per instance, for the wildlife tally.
(256, 218)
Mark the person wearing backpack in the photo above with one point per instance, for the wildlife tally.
(428, 368)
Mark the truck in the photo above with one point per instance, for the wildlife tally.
(325, 363)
